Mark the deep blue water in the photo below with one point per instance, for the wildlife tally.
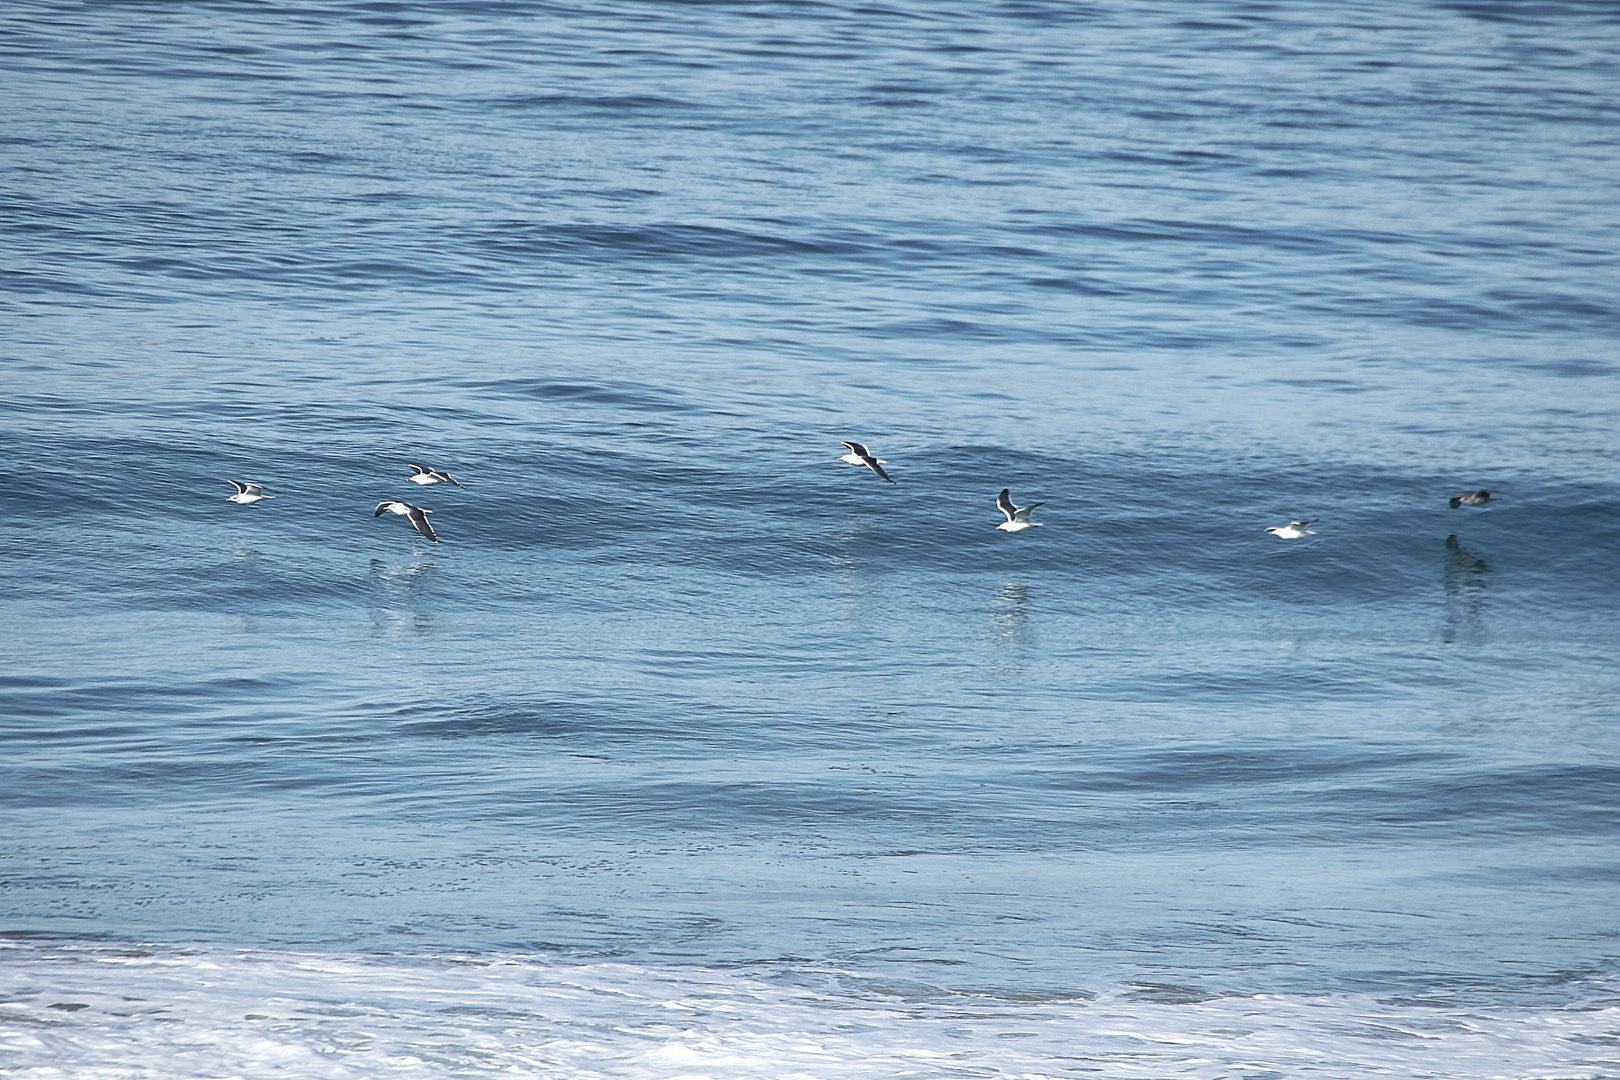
(693, 751)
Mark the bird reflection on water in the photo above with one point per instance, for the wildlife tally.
(396, 614)
(1464, 584)
(1009, 615)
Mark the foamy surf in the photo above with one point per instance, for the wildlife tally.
(98, 1011)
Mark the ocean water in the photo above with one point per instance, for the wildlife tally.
(692, 751)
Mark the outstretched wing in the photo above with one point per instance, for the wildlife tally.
(418, 518)
(1023, 512)
(1005, 505)
(857, 449)
(241, 488)
(418, 470)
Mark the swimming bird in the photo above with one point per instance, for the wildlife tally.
(417, 515)
(1017, 516)
(1474, 498)
(420, 474)
(859, 455)
(246, 493)
(1293, 530)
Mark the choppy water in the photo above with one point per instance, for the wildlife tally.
(692, 751)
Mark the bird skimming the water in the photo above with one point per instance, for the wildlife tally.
(246, 493)
(1293, 530)
(1017, 516)
(417, 515)
(1474, 498)
(421, 474)
(859, 455)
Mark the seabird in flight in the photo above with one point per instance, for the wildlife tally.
(246, 493)
(420, 474)
(1017, 516)
(1293, 530)
(417, 515)
(1474, 498)
(859, 455)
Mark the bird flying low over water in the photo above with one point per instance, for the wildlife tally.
(421, 474)
(246, 493)
(1017, 516)
(859, 455)
(417, 515)
(1474, 498)
(1293, 530)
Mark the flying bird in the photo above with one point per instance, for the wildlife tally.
(417, 515)
(246, 493)
(421, 474)
(1293, 530)
(859, 455)
(1017, 516)
(1474, 498)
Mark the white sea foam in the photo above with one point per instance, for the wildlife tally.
(93, 1011)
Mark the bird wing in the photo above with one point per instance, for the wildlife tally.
(241, 488)
(1005, 505)
(858, 449)
(1023, 512)
(419, 519)
(418, 470)
(872, 463)
(383, 508)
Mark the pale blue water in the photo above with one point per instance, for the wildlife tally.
(692, 751)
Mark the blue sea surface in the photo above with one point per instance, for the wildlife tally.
(692, 751)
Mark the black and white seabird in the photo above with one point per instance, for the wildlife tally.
(421, 474)
(1474, 498)
(1293, 530)
(246, 493)
(1017, 516)
(859, 455)
(417, 515)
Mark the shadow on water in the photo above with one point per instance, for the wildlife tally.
(1464, 584)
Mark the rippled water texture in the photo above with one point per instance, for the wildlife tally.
(683, 710)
